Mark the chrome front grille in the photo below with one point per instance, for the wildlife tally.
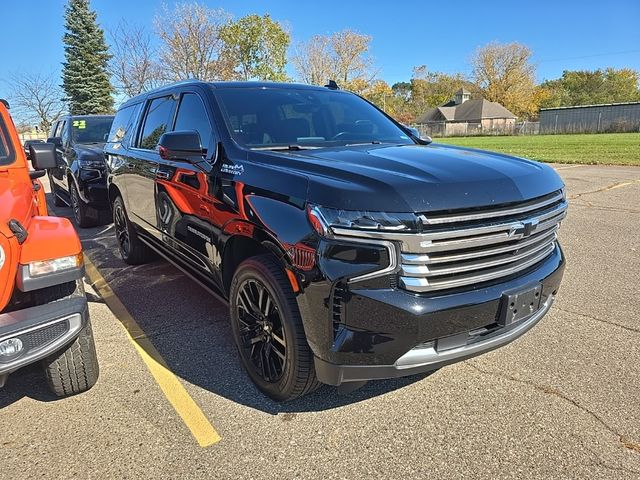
(466, 248)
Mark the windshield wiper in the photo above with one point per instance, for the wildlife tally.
(374, 142)
(292, 147)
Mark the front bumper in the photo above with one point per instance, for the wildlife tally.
(92, 186)
(390, 332)
(43, 329)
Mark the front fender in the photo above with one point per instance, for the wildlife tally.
(49, 238)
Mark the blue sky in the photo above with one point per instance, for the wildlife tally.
(442, 35)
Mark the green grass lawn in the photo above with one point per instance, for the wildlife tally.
(602, 148)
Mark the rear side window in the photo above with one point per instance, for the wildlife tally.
(192, 115)
(156, 122)
(7, 155)
(123, 123)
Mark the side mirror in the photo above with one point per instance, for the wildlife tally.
(57, 141)
(424, 140)
(43, 156)
(182, 145)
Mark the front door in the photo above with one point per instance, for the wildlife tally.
(183, 192)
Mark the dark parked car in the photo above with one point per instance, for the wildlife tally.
(348, 248)
(80, 179)
(27, 144)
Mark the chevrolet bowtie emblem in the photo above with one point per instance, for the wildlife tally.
(523, 229)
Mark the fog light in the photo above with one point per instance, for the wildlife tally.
(10, 348)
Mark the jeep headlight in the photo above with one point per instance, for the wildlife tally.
(2, 256)
(56, 265)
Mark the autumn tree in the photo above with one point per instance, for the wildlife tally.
(85, 76)
(36, 98)
(190, 43)
(592, 87)
(342, 56)
(505, 74)
(258, 45)
(431, 89)
(134, 65)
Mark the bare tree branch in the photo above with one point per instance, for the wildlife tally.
(133, 64)
(342, 56)
(36, 98)
(191, 43)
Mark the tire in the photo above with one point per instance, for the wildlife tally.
(80, 209)
(57, 201)
(132, 250)
(281, 326)
(74, 369)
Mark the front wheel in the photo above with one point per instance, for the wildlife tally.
(80, 209)
(74, 369)
(268, 330)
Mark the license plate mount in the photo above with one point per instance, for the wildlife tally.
(520, 304)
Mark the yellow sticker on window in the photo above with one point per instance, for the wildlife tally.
(80, 124)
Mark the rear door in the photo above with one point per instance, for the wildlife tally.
(183, 201)
(144, 161)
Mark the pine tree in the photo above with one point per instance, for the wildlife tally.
(85, 79)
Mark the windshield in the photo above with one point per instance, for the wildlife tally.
(284, 117)
(90, 129)
(7, 155)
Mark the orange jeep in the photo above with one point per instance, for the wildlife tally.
(43, 307)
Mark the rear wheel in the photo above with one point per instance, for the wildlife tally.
(74, 369)
(80, 209)
(268, 330)
(132, 250)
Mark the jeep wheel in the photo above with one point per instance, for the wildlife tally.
(74, 369)
(132, 250)
(268, 330)
(80, 209)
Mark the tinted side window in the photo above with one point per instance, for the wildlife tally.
(123, 123)
(192, 115)
(156, 122)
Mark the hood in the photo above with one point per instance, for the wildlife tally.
(92, 149)
(416, 178)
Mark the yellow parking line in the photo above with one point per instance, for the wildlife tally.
(184, 405)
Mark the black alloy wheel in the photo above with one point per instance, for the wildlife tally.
(132, 250)
(122, 229)
(261, 330)
(268, 330)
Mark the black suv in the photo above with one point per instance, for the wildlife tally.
(80, 179)
(348, 248)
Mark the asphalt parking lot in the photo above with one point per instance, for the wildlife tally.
(561, 402)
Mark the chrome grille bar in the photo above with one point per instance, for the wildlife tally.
(500, 212)
(469, 248)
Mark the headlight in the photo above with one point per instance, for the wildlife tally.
(90, 162)
(56, 265)
(1, 256)
(323, 219)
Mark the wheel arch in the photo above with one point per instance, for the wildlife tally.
(238, 248)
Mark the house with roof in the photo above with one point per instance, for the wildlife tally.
(465, 116)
